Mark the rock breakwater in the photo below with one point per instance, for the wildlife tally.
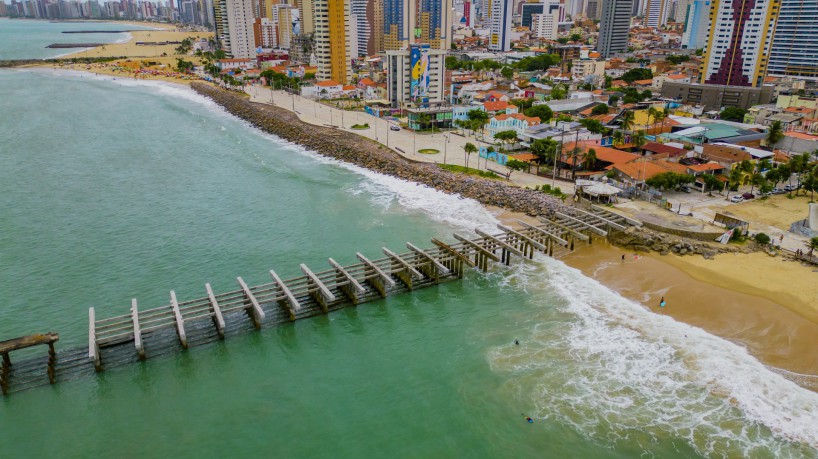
(644, 240)
(354, 149)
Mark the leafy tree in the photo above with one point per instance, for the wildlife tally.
(184, 66)
(637, 74)
(592, 125)
(746, 166)
(545, 149)
(646, 94)
(509, 137)
(468, 149)
(575, 37)
(507, 73)
(733, 114)
(618, 137)
(613, 100)
(523, 104)
(543, 112)
(711, 182)
(516, 165)
(453, 63)
(608, 84)
(601, 109)
(774, 134)
(669, 180)
(734, 180)
(677, 59)
(558, 92)
(540, 62)
(762, 238)
(562, 40)
(564, 117)
(478, 115)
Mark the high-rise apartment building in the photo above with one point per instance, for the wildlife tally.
(332, 42)
(697, 21)
(614, 27)
(283, 17)
(739, 41)
(795, 46)
(500, 26)
(306, 16)
(417, 35)
(361, 24)
(545, 25)
(234, 27)
(656, 12)
(374, 15)
(529, 9)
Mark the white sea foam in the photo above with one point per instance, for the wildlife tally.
(621, 371)
(616, 370)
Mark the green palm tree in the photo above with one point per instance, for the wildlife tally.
(812, 244)
(652, 113)
(589, 161)
(618, 137)
(638, 139)
(626, 120)
(469, 148)
(774, 134)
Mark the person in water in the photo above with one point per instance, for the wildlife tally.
(662, 302)
(516, 343)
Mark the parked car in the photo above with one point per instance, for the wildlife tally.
(778, 191)
(790, 187)
(736, 198)
(747, 195)
(685, 189)
(394, 128)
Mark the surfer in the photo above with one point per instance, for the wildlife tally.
(662, 302)
(516, 342)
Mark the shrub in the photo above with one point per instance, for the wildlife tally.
(762, 238)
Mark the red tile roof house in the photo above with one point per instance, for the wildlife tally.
(498, 107)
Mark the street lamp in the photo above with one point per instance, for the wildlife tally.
(445, 147)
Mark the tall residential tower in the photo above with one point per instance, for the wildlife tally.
(614, 27)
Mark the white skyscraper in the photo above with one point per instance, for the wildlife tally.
(239, 41)
(500, 29)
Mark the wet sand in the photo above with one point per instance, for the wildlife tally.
(769, 330)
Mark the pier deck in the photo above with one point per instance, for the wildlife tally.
(178, 325)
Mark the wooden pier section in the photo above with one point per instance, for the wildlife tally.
(178, 325)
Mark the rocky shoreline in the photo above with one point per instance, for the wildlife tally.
(351, 148)
(638, 239)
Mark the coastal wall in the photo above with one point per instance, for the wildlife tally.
(354, 149)
(697, 235)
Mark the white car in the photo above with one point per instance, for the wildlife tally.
(736, 198)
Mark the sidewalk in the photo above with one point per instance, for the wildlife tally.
(404, 142)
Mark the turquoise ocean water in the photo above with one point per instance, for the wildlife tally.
(27, 39)
(113, 189)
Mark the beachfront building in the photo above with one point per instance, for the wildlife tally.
(739, 42)
(430, 118)
(514, 122)
(332, 40)
(424, 85)
(614, 27)
(234, 27)
(416, 38)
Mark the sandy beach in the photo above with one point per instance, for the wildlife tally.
(154, 62)
(768, 305)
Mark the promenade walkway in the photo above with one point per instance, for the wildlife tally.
(404, 142)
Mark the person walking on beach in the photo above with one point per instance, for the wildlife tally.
(623, 258)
